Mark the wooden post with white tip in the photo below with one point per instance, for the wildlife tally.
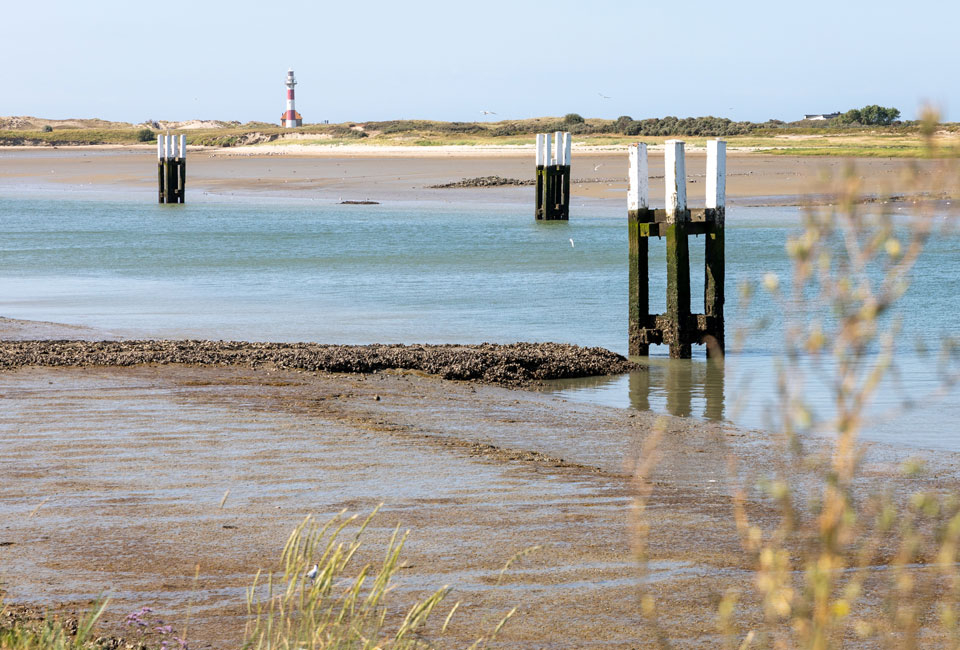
(678, 252)
(714, 254)
(638, 212)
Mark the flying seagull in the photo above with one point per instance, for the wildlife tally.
(487, 113)
(571, 243)
(603, 96)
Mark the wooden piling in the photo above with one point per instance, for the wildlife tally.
(553, 177)
(182, 170)
(542, 159)
(714, 253)
(678, 254)
(564, 202)
(171, 168)
(161, 154)
(638, 211)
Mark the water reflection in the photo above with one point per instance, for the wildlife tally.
(682, 387)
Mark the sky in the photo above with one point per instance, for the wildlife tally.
(450, 60)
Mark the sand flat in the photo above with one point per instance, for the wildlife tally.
(392, 174)
(113, 478)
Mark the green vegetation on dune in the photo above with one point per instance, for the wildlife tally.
(64, 137)
(842, 136)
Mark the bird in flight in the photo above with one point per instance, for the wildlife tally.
(596, 167)
(571, 243)
(603, 96)
(487, 113)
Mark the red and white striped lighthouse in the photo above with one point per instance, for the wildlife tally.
(291, 117)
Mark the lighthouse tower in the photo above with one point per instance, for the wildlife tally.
(291, 117)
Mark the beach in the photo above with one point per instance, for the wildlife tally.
(167, 474)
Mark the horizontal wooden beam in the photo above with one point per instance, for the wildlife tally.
(643, 215)
(684, 216)
(656, 329)
(646, 229)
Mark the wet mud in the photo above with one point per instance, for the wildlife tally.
(114, 480)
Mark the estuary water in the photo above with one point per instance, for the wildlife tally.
(307, 270)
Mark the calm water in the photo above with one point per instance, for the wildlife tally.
(259, 269)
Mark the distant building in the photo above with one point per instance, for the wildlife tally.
(821, 116)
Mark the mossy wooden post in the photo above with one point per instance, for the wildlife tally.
(172, 170)
(563, 204)
(543, 159)
(161, 156)
(678, 255)
(553, 177)
(714, 252)
(168, 185)
(638, 212)
(182, 170)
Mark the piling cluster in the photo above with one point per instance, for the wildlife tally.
(553, 176)
(171, 167)
(677, 328)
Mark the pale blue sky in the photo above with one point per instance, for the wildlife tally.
(448, 60)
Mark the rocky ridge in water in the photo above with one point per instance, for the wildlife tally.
(511, 364)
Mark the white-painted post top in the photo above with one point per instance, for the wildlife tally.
(540, 150)
(160, 140)
(674, 177)
(716, 174)
(557, 147)
(638, 194)
(172, 146)
(567, 145)
(547, 149)
(183, 146)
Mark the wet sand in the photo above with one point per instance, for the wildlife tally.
(113, 478)
(390, 176)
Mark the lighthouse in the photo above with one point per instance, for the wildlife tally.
(291, 117)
